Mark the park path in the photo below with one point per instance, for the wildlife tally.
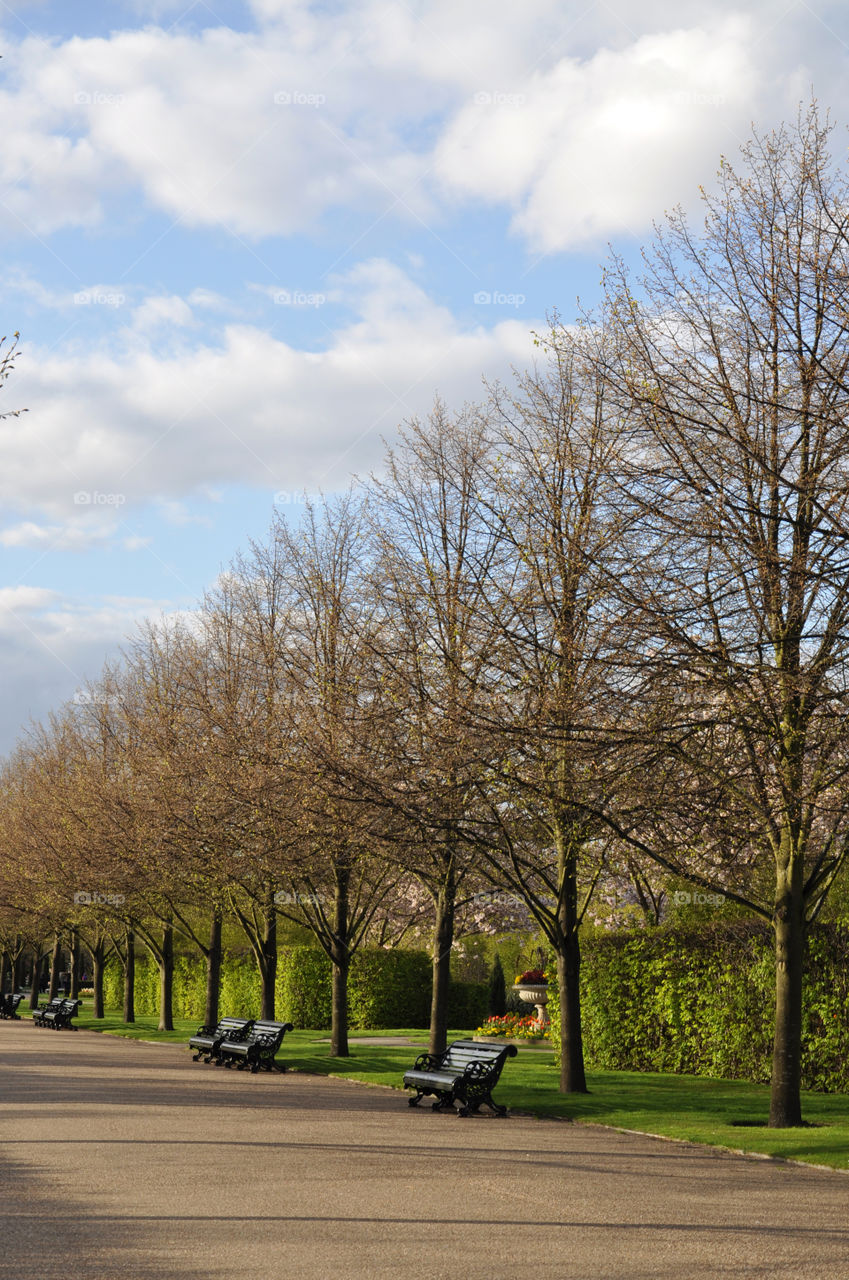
(124, 1161)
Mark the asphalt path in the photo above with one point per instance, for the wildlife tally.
(126, 1161)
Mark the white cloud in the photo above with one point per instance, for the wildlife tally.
(110, 430)
(583, 123)
(603, 145)
(162, 311)
(24, 599)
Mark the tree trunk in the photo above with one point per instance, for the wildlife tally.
(36, 974)
(75, 964)
(572, 1077)
(130, 978)
(16, 966)
(55, 965)
(785, 1104)
(341, 959)
(166, 980)
(5, 968)
(98, 960)
(265, 951)
(443, 941)
(213, 971)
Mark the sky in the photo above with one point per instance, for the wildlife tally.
(244, 240)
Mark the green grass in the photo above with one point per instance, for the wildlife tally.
(691, 1108)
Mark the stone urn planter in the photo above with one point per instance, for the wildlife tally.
(534, 992)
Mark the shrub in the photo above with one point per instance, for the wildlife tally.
(701, 1002)
(467, 1004)
(303, 993)
(389, 989)
(497, 994)
(385, 989)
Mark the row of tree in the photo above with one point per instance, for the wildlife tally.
(598, 621)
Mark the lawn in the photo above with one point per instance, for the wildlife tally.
(722, 1113)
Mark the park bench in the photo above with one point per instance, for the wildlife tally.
(466, 1072)
(9, 1006)
(208, 1040)
(57, 1014)
(258, 1048)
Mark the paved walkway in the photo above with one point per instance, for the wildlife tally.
(123, 1160)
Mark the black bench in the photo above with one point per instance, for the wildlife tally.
(57, 1014)
(257, 1050)
(466, 1072)
(9, 1006)
(207, 1040)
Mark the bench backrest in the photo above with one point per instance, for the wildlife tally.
(70, 1006)
(461, 1053)
(228, 1025)
(269, 1030)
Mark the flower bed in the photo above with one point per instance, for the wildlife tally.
(513, 1027)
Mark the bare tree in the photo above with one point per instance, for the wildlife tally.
(553, 477)
(732, 370)
(431, 648)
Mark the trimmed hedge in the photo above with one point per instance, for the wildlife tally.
(701, 1002)
(385, 989)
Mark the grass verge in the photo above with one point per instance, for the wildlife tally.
(722, 1113)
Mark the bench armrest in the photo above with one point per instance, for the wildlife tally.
(427, 1062)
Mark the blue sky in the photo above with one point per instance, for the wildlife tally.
(243, 241)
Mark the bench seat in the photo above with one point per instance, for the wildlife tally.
(466, 1073)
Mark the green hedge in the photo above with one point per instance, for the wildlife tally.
(701, 1002)
(385, 989)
